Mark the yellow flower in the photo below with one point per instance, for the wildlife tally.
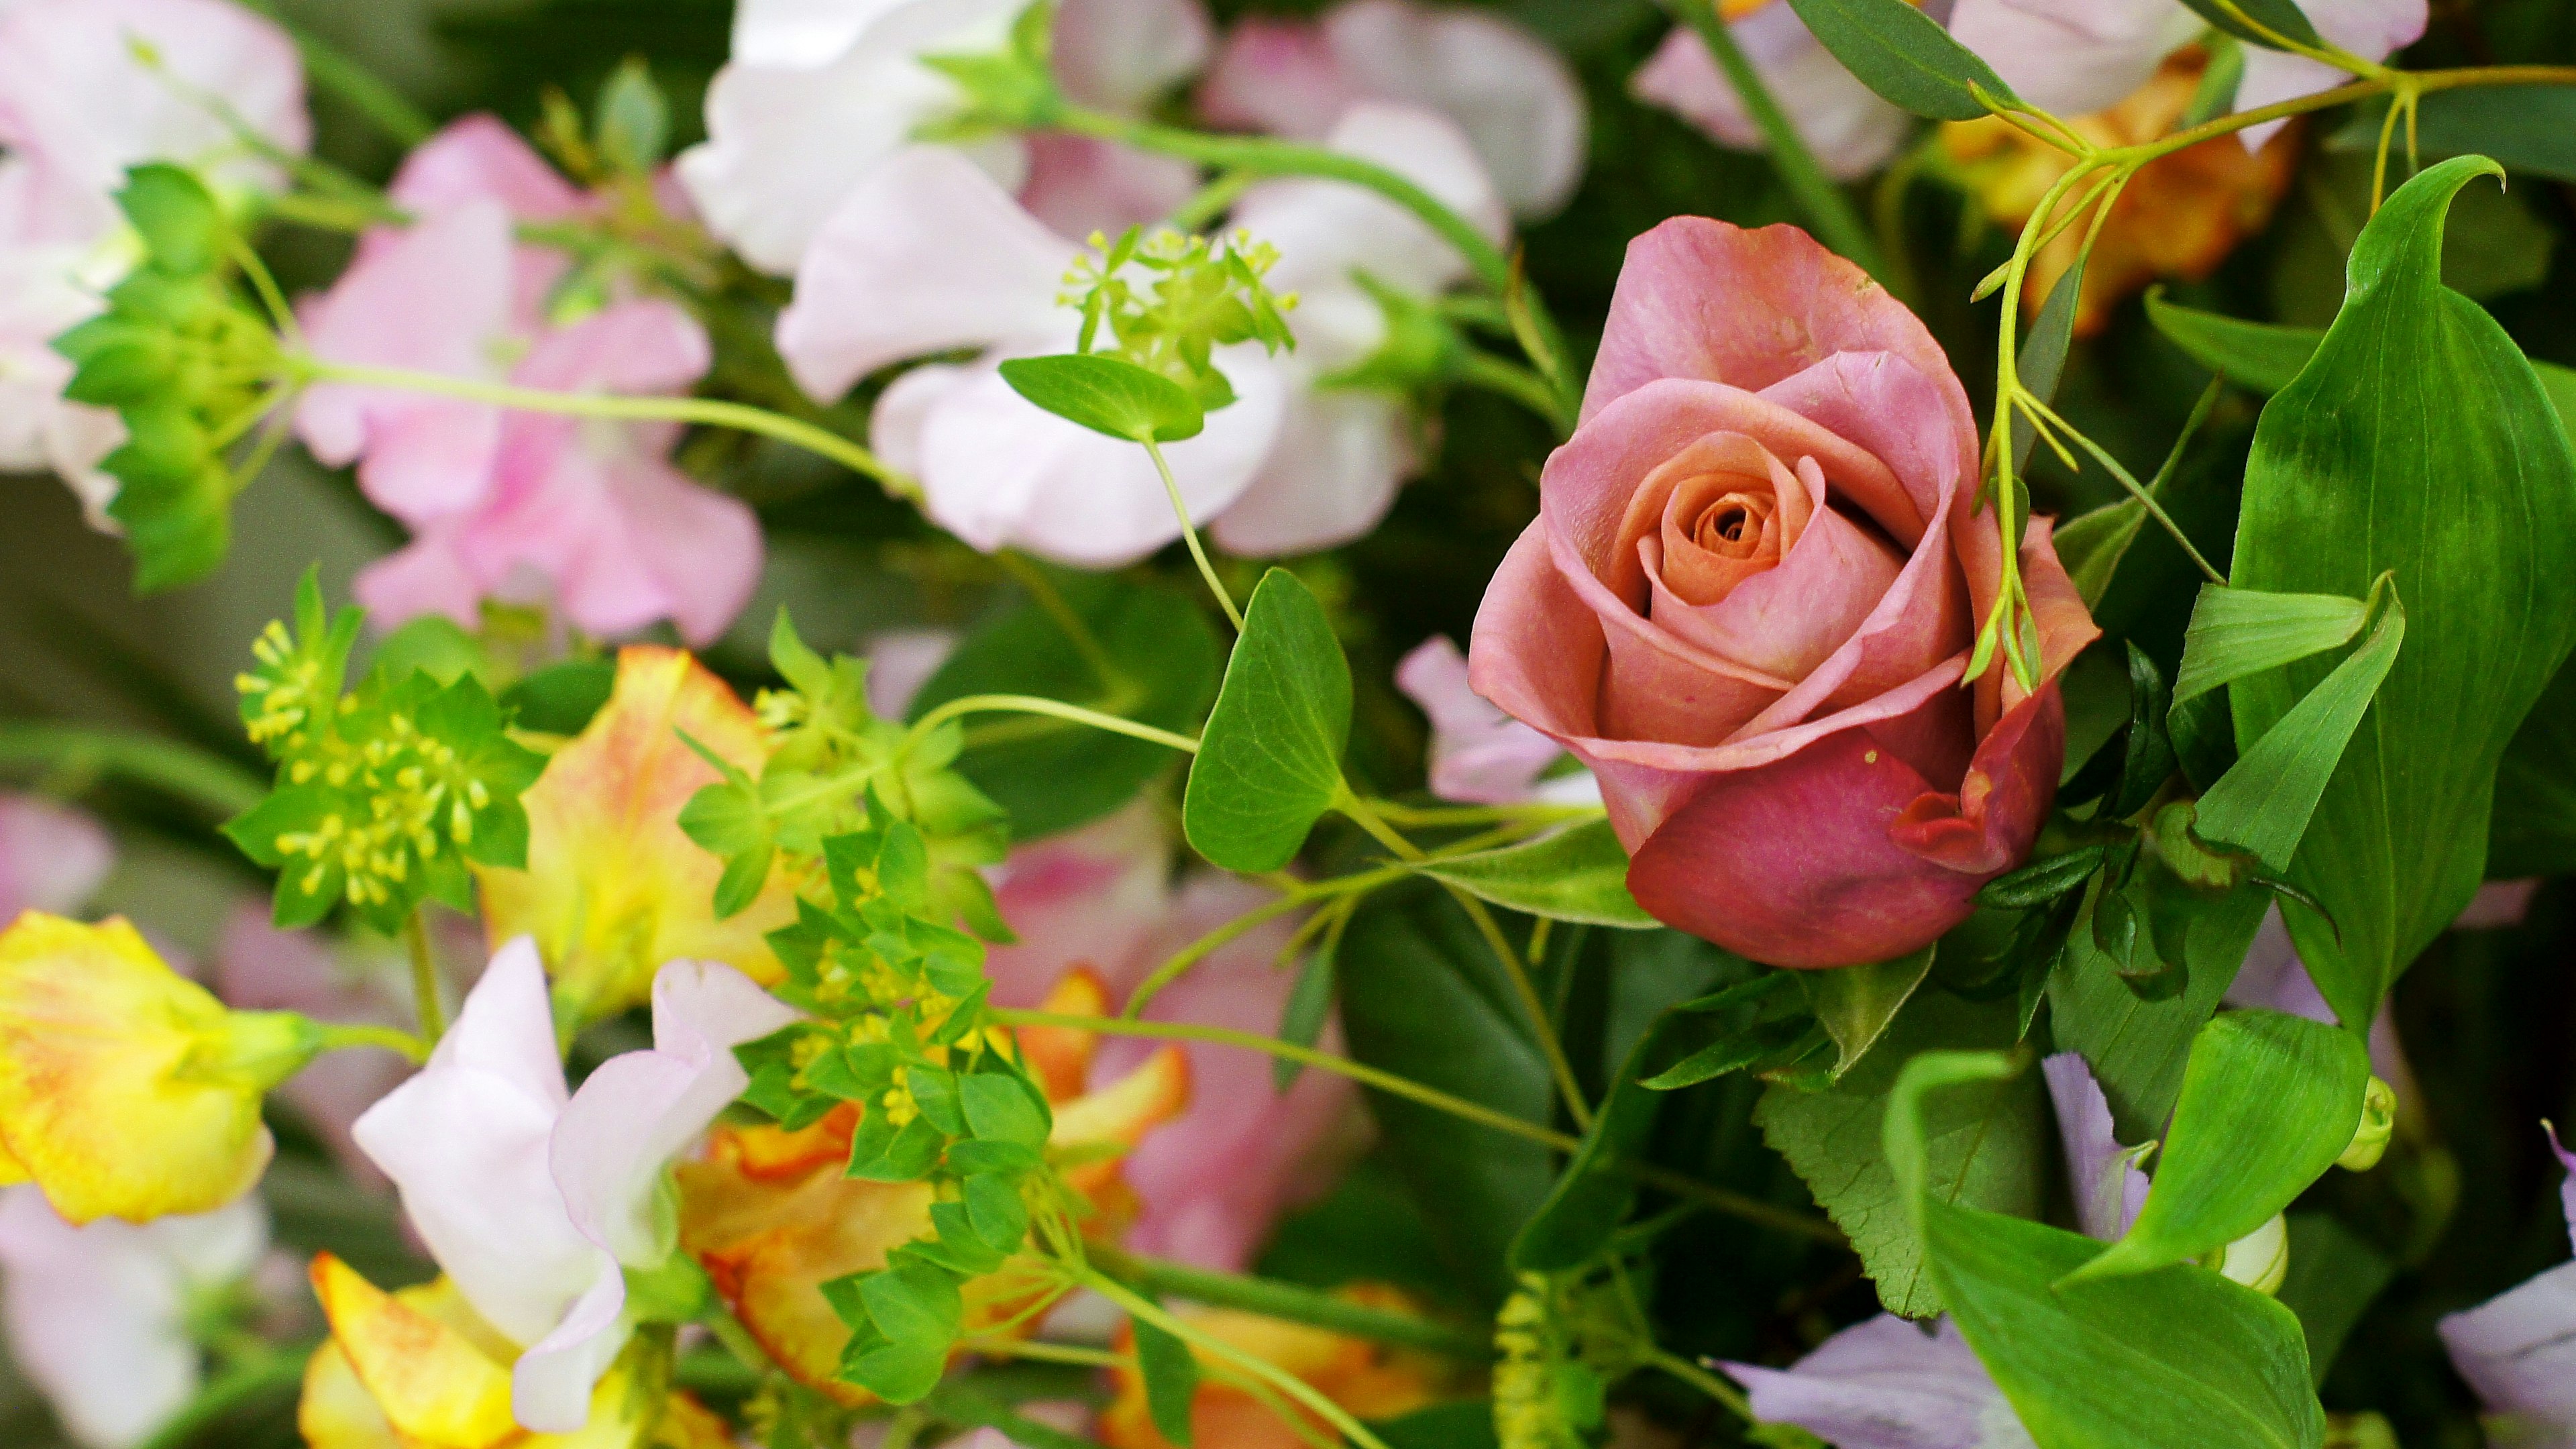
(418, 1369)
(612, 888)
(1369, 1380)
(127, 1090)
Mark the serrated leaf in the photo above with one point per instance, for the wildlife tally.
(1269, 762)
(1576, 874)
(1107, 395)
(1903, 55)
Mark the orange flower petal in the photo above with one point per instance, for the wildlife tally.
(435, 1386)
(1369, 1380)
(1060, 1056)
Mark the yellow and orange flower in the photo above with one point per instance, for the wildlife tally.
(127, 1090)
(771, 1218)
(418, 1369)
(2180, 216)
(613, 888)
(1369, 1380)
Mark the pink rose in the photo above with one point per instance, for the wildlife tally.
(1748, 603)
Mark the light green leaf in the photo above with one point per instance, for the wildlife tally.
(2176, 1358)
(2237, 632)
(1904, 55)
(2269, 1101)
(1576, 874)
(2138, 1048)
(1269, 762)
(2281, 18)
(1171, 1380)
(1856, 1003)
(1107, 395)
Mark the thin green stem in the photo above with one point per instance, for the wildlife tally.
(1704, 1381)
(1041, 1351)
(339, 1037)
(1522, 385)
(1190, 534)
(1836, 222)
(1039, 704)
(1297, 898)
(270, 1375)
(1289, 1302)
(1213, 200)
(1138, 1306)
(424, 977)
(1032, 579)
(2141, 492)
(1430, 816)
(223, 787)
(709, 412)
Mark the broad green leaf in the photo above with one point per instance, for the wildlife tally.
(1171, 1380)
(1989, 1148)
(1856, 1003)
(2534, 830)
(2528, 128)
(2281, 18)
(1592, 1198)
(1422, 997)
(1107, 395)
(2176, 1358)
(2237, 632)
(1002, 1108)
(1576, 874)
(2263, 356)
(2269, 1101)
(2334, 1274)
(2265, 801)
(1904, 55)
(1270, 761)
(1053, 775)
(2138, 1049)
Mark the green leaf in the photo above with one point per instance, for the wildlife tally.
(2528, 128)
(1171, 1380)
(2177, 1358)
(2534, 829)
(899, 1373)
(633, 129)
(1052, 775)
(913, 1302)
(1904, 55)
(2264, 356)
(1108, 395)
(2333, 1277)
(1002, 1108)
(1269, 762)
(184, 231)
(2265, 801)
(2147, 757)
(2239, 632)
(1593, 1196)
(561, 699)
(994, 1206)
(1856, 1003)
(1988, 1149)
(1310, 1005)
(1576, 874)
(2269, 1101)
(1422, 997)
(2041, 358)
(2138, 1048)
(2282, 18)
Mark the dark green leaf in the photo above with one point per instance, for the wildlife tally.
(2528, 128)
(1856, 1003)
(2269, 1101)
(2333, 1277)
(2147, 752)
(1171, 1380)
(1593, 1197)
(1269, 762)
(1576, 874)
(2044, 880)
(2041, 357)
(2534, 831)
(2263, 356)
(2274, 21)
(562, 698)
(1310, 1005)
(1904, 55)
(2137, 1049)
(1107, 395)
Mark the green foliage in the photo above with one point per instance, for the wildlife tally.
(1171, 1380)
(1905, 56)
(1855, 1004)
(385, 792)
(2138, 1047)
(1270, 761)
(2268, 1103)
(186, 366)
(1576, 874)
(1108, 395)
(2528, 128)
(2175, 1357)
(2238, 632)
(2273, 21)
(1592, 1197)
(632, 128)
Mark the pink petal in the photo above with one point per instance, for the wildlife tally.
(900, 662)
(1326, 230)
(1124, 54)
(1079, 185)
(52, 857)
(1885, 1384)
(1846, 126)
(2518, 1350)
(1330, 477)
(1479, 755)
(928, 254)
(479, 158)
(1515, 97)
(427, 576)
(1279, 76)
(2498, 904)
(1094, 897)
(2371, 29)
(2109, 1188)
(2073, 57)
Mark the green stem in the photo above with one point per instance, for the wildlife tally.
(1433, 816)
(1273, 1299)
(1199, 950)
(1511, 380)
(339, 1037)
(270, 1375)
(1190, 534)
(1828, 210)
(710, 412)
(1704, 1381)
(1139, 1307)
(1039, 704)
(182, 770)
(424, 977)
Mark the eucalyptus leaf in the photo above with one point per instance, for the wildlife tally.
(1903, 55)
(2269, 1101)
(1108, 395)
(2237, 632)
(1576, 874)
(1856, 1003)
(1269, 762)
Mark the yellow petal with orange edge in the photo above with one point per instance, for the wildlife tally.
(104, 1099)
(1120, 1114)
(1369, 1380)
(436, 1387)
(1060, 1056)
(688, 1424)
(613, 887)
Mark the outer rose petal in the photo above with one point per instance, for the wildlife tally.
(2073, 58)
(1850, 130)
(613, 888)
(1842, 852)
(1887, 1384)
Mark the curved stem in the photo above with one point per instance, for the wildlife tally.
(1704, 1381)
(1521, 384)
(1291, 1303)
(1039, 704)
(192, 774)
(424, 977)
(1190, 534)
(1138, 1306)
(339, 1037)
(709, 412)
(1179, 963)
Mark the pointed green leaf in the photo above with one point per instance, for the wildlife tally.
(2273, 21)
(1171, 1380)
(1856, 1003)
(2263, 356)
(1904, 55)
(1107, 395)
(2237, 632)
(1592, 1197)
(1270, 761)
(1576, 874)
(2528, 128)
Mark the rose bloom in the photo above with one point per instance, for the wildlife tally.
(1749, 600)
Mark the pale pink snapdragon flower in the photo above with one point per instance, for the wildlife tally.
(528, 507)
(1118, 56)
(1480, 755)
(1850, 131)
(89, 88)
(52, 857)
(534, 1199)
(1515, 98)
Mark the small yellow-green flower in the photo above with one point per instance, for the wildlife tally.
(127, 1090)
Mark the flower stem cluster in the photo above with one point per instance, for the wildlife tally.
(1166, 302)
(384, 793)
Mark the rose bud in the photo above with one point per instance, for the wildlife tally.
(1749, 600)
